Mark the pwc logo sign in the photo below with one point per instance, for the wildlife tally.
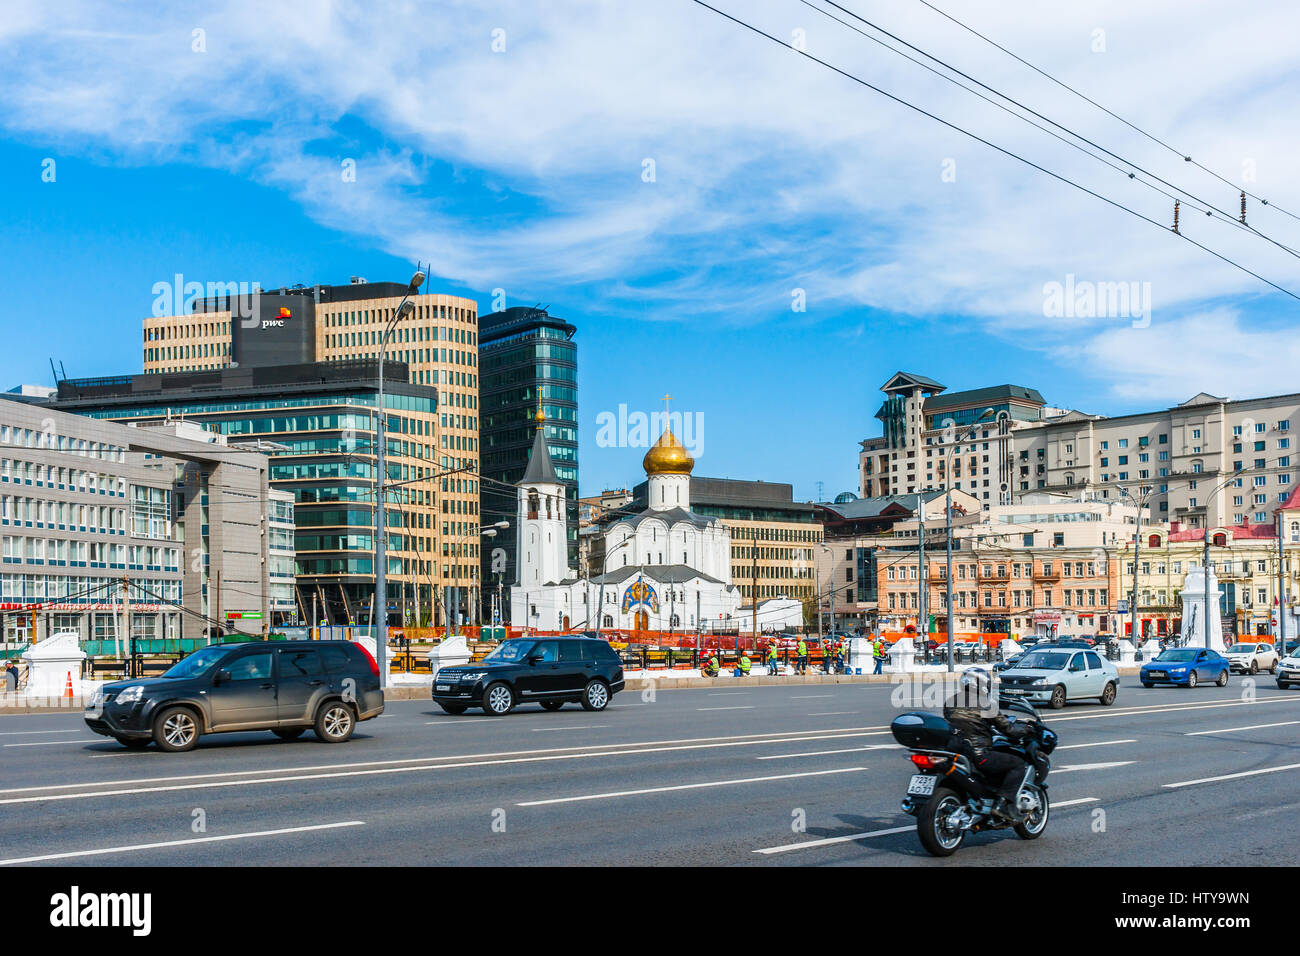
(277, 323)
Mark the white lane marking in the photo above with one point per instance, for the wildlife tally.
(28, 733)
(822, 753)
(745, 707)
(1092, 766)
(1096, 743)
(833, 713)
(729, 693)
(686, 786)
(551, 730)
(59, 743)
(866, 834)
(1233, 776)
(1178, 708)
(776, 737)
(811, 696)
(1231, 730)
(130, 753)
(169, 843)
(425, 765)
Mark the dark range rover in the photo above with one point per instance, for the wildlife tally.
(285, 687)
(553, 671)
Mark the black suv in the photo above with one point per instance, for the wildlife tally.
(553, 671)
(284, 687)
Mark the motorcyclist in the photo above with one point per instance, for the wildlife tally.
(966, 710)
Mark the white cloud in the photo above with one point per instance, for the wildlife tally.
(1208, 351)
(771, 172)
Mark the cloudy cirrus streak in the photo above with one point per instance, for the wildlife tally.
(525, 166)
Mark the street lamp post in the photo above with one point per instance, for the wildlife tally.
(404, 308)
(1140, 502)
(947, 482)
(1205, 560)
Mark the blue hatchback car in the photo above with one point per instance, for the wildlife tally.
(1187, 666)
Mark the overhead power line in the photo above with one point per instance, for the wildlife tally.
(1207, 207)
(1083, 96)
(1001, 149)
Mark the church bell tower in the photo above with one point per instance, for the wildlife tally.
(542, 535)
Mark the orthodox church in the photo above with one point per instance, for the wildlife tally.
(664, 568)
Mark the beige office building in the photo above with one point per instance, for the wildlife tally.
(438, 342)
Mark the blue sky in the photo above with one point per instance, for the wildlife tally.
(524, 169)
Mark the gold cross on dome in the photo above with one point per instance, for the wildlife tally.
(667, 399)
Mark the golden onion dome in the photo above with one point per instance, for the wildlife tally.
(667, 457)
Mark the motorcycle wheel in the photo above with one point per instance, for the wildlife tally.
(935, 837)
(1035, 822)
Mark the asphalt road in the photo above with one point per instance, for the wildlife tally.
(720, 777)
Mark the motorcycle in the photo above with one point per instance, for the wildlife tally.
(950, 798)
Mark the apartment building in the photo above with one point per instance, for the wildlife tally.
(1245, 562)
(1048, 565)
(176, 528)
(922, 423)
(1182, 461)
(859, 533)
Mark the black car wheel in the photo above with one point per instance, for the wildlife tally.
(595, 696)
(1191, 679)
(289, 733)
(1254, 666)
(1058, 697)
(176, 730)
(1222, 679)
(335, 722)
(1272, 668)
(552, 704)
(139, 743)
(498, 700)
(454, 709)
(1282, 685)
(1108, 695)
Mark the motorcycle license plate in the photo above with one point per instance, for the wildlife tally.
(921, 785)
(444, 687)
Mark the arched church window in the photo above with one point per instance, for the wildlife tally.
(532, 505)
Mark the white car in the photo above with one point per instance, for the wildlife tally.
(1054, 675)
(1288, 670)
(1252, 658)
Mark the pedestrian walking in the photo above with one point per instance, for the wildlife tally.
(878, 653)
(801, 653)
(773, 661)
(11, 676)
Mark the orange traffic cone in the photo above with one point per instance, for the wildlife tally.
(67, 691)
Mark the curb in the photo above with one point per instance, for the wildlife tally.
(76, 705)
